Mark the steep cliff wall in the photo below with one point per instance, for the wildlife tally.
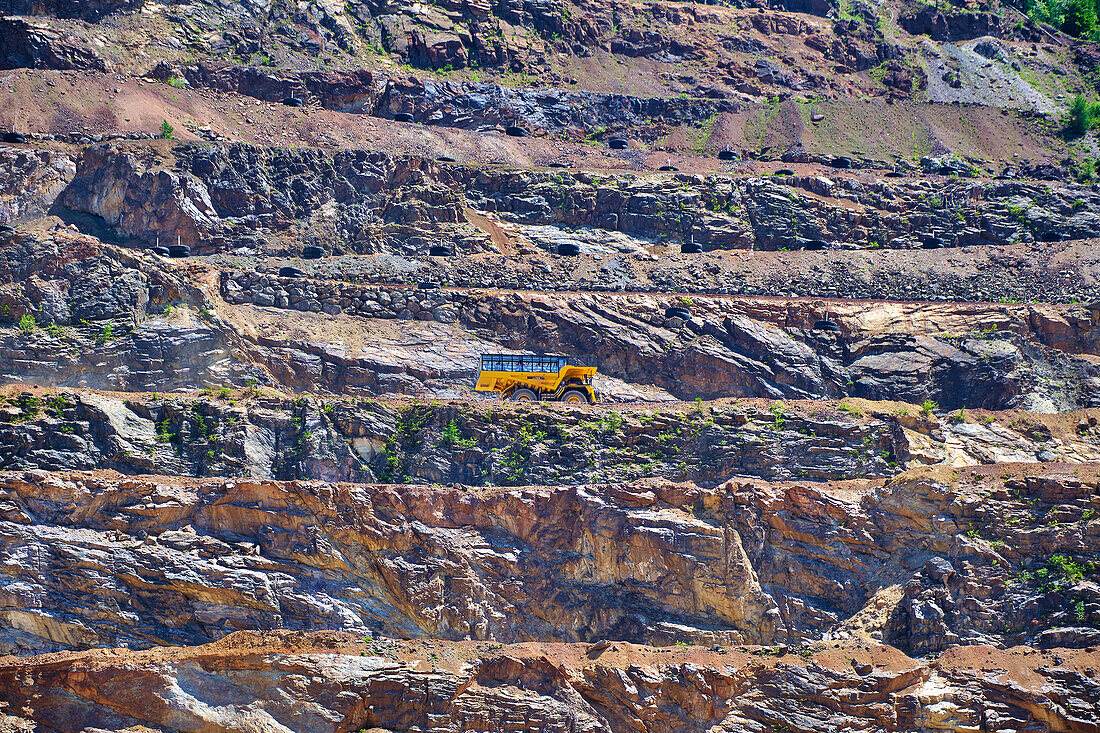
(215, 196)
(927, 561)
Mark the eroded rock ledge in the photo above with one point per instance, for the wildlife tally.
(254, 433)
(218, 198)
(333, 682)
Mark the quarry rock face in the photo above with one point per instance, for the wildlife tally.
(326, 682)
(190, 189)
(647, 562)
(836, 266)
(25, 44)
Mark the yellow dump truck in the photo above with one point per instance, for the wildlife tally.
(534, 377)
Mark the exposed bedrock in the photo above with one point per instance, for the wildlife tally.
(246, 434)
(251, 433)
(924, 562)
(31, 181)
(980, 356)
(104, 317)
(26, 44)
(219, 198)
(456, 104)
(328, 682)
(89, 10)
(319, 682)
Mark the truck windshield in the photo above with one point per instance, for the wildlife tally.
(522, 363)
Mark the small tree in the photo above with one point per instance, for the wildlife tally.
(451, 435)
(166, 131)
(1083, 115)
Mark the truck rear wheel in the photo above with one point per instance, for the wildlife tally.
(575, 397)
(524, 395)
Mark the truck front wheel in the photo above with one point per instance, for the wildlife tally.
(524, 395)
(575, 397)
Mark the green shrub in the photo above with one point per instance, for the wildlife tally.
(27, 324)
(928, 407)
(845, 407)
(1079, 18)
(166, 131)
(452, 436)
(1083, 115)
(56, 405)
(1069, 570)
(1085, 170)
(164, 434)
(1045, 11)
(29, 407)
(777, 410)
(612, 422)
